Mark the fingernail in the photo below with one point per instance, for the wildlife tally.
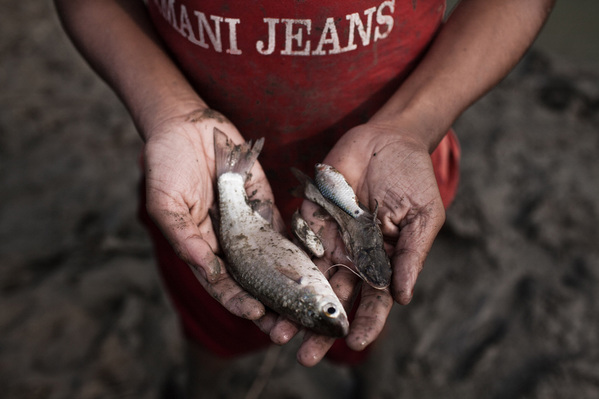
(359, 344)
(212, 271)
(216, 266)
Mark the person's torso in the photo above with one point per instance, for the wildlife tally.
(298, 72)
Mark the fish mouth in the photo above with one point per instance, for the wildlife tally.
(379, 280)
(337, 328)
(342, 328)
(378, 285)
(375, 270)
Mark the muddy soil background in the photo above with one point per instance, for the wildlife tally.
(507, 306)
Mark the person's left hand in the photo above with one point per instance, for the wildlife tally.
(391, 167)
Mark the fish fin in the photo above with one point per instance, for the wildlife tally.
(234, 158)
(263, 208)
(310, 190)
(266, 210)
(301, 176)
(291, 274)
(375, 213)
(297, 191)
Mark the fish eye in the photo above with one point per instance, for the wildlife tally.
(330, 310)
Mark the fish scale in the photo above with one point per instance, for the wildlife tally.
(333, 186)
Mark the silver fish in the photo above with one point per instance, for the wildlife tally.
(261, 260)
(333, 186)
(309, 239)
(361, 235)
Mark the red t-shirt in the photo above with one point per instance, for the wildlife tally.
(300, 73)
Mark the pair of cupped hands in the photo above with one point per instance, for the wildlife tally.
(384, 164)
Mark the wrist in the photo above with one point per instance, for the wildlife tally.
(424, 122)
(153, 115)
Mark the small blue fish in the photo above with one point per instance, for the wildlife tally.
(333, 186)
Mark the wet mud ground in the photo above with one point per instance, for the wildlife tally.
(507, 306)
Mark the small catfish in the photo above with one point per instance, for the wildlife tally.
(359, 227)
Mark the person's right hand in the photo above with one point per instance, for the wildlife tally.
(180, 182)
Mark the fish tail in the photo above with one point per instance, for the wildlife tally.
(307, 187)
(311, 192)
(234, 158)
(302, 178)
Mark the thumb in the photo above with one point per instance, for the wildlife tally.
(416, 238)
(176, 224)
(189, 245)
